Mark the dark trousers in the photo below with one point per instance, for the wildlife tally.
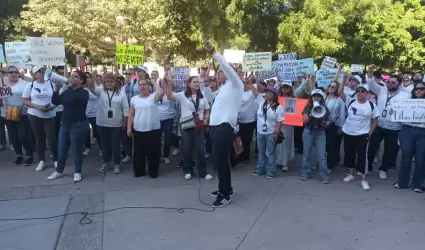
(298, 138)
(167, 130)
(391, 147)
(355, 145)
(127, 143)
(245, 131)
(43, 127)
(147, 146)
(19, 135)
(58, 119)
(110, 140)
(222, 137)
(3, 140)
(92, 121)
(72, 134)
(333, 142)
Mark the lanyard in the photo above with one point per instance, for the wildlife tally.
(195, 104)
(110, 98)
(265, 110)
(390, 97)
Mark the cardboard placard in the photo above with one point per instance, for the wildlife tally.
(46, 50)
(130, 54)
(258, 61)
(291, 117)
(18, 54)
(233, 56)
(408, 110)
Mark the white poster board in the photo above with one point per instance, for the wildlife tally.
(328, 62)
(305, 65)
(357, 68)
(288, 66)
(233, 56)
(180, 76)
(1, 54)
(258, 61)
(408, 110)
(18, 54)
(46, 50)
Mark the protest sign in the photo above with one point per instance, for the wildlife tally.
(130, 54)
(258, 61)
(271, 73)
(288, 66)
(305, 65)
(293, 116)
(17, 54)
(328, 62)
(1, 54)
(408, 110)
(46, 50)
(326, 76)
(234, 56)
(357, 68)
(287, 57)
(180, 76)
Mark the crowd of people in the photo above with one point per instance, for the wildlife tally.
(152, 119)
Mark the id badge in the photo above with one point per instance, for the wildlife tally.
(110, 114)
(264, 128)
(384, 113)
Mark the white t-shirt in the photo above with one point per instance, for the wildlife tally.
(359, 117)
(119, 107)
(187, 105)
(40, 94)
(146, 116)
(92, 104)
(248, 111)
(273, 117)
(167, 109)
(12, 96)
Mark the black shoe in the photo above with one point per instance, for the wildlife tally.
(221, 201)
(216, 193)
(18, 161)
(28, 161)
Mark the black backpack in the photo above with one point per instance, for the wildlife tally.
(371, 104)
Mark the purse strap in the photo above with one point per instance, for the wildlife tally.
(195, 104)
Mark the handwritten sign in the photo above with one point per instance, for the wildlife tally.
(234, 56)
(288, 66)
(328, 62)
(17, 54)
(408, 110)
(357, 68)
(325, 77)
(287, 57)
(46, 50)
(180, 76)
(305, 65)
(259, 61)
(271, 73)
(1, 54)
(130, 54)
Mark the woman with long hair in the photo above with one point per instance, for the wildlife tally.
(269, 121)
(412, 144)
(314, 134)
(91, 113)
(74, 125)
(285, 150)
(194, 115)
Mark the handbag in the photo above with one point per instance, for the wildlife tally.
(187, 122)
(13, 113)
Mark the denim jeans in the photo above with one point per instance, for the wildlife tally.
(412, 144)
(110, 140)
(194, 141)
(266, 151)
(73, 134)
(314, 138)
(167, 129)
(19, 135)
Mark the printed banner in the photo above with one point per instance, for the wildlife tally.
(328, 62)
(357, 68)
(180, 76)
(234, 56)
(130, 54)
(1, 54)
(18, 54)
(408, 110)
(274, 72)
(293, 110)
(259, 61)
(46, 50)
(305, 65)
(288, 66)
(325, 76)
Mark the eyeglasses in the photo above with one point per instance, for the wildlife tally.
(420, 89)
(332, 86)
(392, 82)
(361, 91)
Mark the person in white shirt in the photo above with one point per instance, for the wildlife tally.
(386, 130)
(37, 96)
(111, 118)
(359, 126)
(412, 144)
(223, 123)
(60, 70)
(17, 124)
(91, 112)
(145, 124)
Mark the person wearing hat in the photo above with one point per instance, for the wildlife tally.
(349, 90)
(269, 121)
(362, 119)
(314, 135)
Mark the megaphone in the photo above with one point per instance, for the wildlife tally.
(49, 75)
(318, 110)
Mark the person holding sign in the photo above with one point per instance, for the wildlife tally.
(412, 144)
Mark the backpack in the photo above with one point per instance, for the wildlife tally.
(32, 85)
(371, 104)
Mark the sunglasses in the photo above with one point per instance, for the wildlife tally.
(13, 72)
(286, 86)
(361, 91)
(332, 86)
(127, 74)
(392, 82)
(420, 89)
(316, 95)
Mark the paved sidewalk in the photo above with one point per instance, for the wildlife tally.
(282, 213)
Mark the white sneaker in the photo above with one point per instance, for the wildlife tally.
(382, 175)
(93, 141)
(375, 160)
(359, 174)
(413, 159)
(55, 164)
(167, 160)
(104, 167)
(117, 169)
(285, 168)
(51, 156)
(348, 178)
(365, 186)
(100, 153)
(209, 177)
(54, 175)
(175, 152)
(77, 177)
(86, 152)
(207, 156)
(126, 160)
(12, 148)
(40, 166)
(188, 176)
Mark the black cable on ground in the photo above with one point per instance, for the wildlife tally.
(85, 220)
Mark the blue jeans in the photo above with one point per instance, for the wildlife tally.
(412, 143)
(266, 150)
(167, 129)
(317, 138)
(74, 134)
(19, 135)
(194, 141)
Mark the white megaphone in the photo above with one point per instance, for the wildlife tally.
(49, 75)
(318, 110)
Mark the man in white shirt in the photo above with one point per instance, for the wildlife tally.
(386, 129)
(223, 123)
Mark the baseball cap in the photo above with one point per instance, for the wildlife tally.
(355, 78)
(272, 90)
(318, 92)
(144, 68)
(363, 86)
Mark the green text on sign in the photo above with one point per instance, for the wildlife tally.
(130, 54)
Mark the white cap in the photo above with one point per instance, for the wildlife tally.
(289, 83)
(320, 92)
(363, 86)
